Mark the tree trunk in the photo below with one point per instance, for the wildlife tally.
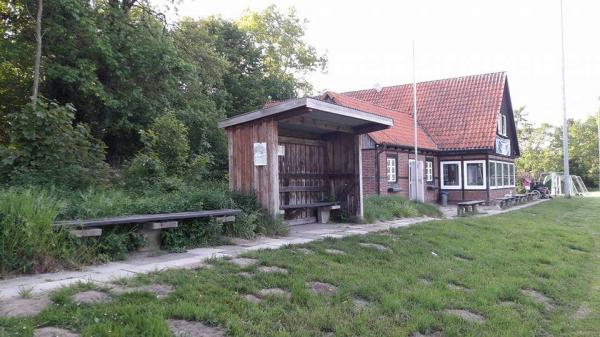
(38, 52)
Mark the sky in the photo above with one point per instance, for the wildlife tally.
(369, 42)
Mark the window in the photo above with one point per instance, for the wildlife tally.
(391, 170)
(475, 174)
(451, 175)
(429, 171)
(502, 175)
(492, 178)
(502, 125)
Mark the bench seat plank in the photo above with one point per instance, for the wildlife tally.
(161, 217)
(313, 205)
(471, 203)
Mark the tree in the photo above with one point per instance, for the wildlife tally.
(287, 57)
(541, 148)
(38, 52)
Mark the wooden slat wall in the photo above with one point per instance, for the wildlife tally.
(302, 165)
(342, 164)
(243, 175)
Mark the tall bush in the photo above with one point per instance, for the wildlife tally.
(45, 146)
(167, 138)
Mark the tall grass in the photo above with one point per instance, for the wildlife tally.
(391, 207)
(28, 243)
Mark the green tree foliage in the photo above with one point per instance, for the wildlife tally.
(167, 137)
(45, 146)
(287, 57)
(541, 148)
(121, 66)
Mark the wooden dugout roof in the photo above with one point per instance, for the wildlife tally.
(313, 115)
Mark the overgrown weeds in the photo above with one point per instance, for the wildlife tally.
(391, 207)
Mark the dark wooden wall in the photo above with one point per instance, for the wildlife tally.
(302, 174)
(244, 176)
(344, 169)
(312, 170)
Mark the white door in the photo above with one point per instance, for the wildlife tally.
(416, 183)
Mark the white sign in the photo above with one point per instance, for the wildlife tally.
(280, 150)
(260, 154)
(503, 146)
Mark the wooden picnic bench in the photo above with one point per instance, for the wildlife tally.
(468, 207)
(152, 224)
(323, 209)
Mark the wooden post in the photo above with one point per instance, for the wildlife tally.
(358, 170)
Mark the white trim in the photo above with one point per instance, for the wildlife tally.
(395, 169)
(309, 103)
(502, 127)
(500, 184)
(466, 172)
(451, 187)
(428, 170)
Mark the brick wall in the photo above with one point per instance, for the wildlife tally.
(369, 172)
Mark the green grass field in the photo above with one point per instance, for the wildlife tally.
(475, 264)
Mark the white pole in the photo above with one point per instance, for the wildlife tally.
(566, 175)
(415, 124)
(598, 149)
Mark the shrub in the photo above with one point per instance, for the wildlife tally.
(45, 146)
(118, 242)
(390, 207)
(191, 234)
(145, 169)
(167, 139)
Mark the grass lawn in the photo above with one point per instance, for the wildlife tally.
(475, 264)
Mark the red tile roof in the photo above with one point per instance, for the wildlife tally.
(453, 114)
(458, 113)
(402, 133)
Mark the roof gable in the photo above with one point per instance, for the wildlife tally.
(458, 113)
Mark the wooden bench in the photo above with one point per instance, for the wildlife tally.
(532, 196)
(468, 207)
(505, 201)
(152, 224)
(521, 198)
(323, 209)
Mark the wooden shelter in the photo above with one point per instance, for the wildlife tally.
(301, 157)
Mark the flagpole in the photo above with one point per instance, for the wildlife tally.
(415, 123)
(566, 175)
(599, 150)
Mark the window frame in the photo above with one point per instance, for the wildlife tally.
(387, 169)
(500, 174)
(451, 187)
(429, 171)
(492, 178)
(466, 173)
(502, 128)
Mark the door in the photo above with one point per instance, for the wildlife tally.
(416, 183)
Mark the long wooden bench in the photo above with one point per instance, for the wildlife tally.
(323, 209)
(152, 224)
(468, 207)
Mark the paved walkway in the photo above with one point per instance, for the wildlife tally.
(194, 258)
